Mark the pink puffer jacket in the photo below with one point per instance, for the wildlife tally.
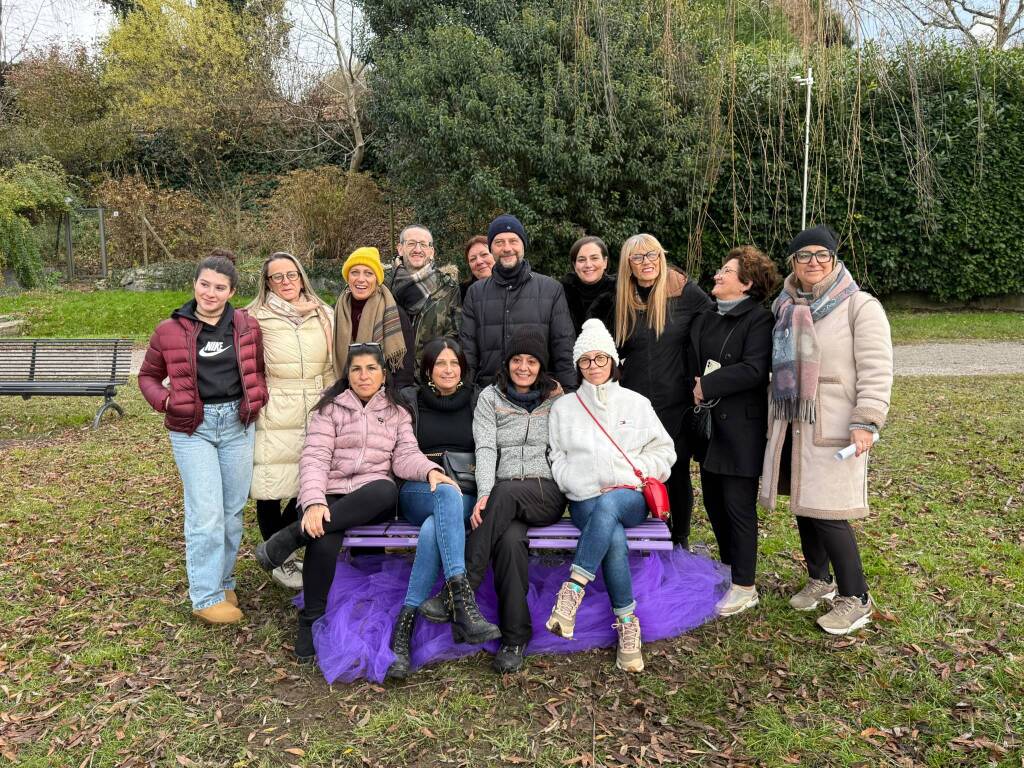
(349, 445)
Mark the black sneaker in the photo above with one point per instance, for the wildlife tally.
(509, 658)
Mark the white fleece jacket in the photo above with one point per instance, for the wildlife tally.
(583, 460)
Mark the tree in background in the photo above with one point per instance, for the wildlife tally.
(30, 194)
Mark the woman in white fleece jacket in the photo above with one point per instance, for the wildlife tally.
(600, 484)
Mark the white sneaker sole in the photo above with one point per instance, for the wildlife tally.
(828, 597)
(554, 626)
(637, 666)
(863, 621)
(754, 600)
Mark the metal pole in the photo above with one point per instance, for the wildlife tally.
(103, 246)
(809, 82)
(67, 246)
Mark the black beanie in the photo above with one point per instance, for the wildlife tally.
(822, 235)
(506, 223)
(527, 341)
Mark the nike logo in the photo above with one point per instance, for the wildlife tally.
(213, 348)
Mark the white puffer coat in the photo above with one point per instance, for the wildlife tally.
(298, 368)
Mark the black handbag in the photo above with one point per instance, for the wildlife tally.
(460, 466)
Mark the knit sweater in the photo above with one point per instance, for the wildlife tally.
(510, 442)
(583, 459)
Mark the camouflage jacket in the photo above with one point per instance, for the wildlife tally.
(440, 315)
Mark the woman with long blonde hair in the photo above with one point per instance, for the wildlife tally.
(655, 304)
(298, 339)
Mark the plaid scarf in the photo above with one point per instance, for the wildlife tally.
(796, 353)
(413, 289)
(379, 323)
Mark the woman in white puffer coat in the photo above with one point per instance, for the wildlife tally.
(298, 337)
(600, 484)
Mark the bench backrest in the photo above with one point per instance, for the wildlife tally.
(69, 360)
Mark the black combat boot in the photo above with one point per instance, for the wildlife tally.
(401, 640)
(468, 624)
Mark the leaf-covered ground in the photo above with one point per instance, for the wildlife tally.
(101, 663)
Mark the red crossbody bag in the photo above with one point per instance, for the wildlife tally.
(654, 491)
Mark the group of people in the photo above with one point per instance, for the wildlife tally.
(498, 403)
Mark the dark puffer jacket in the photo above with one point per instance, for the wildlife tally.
(497, 306)
(587, 301)
(172, 353)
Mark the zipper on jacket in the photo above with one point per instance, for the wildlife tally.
(241, 372)
(193, 361)
(362, 448)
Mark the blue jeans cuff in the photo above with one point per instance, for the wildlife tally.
(620, 612)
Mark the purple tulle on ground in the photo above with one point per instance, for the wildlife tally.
(675, 592)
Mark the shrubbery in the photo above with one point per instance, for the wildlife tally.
(29, 193)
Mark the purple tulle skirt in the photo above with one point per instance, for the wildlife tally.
(675, 591)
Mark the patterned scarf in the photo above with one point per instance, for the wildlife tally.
(297, 311)
(796, 353)
(413, 289)
(379, 323)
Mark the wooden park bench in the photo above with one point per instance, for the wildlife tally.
(650, 535)
(66, 367)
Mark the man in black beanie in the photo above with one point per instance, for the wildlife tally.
(515, 297)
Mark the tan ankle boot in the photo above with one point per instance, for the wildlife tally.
(231, 597)
(219, 613)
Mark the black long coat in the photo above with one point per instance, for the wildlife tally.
(495, 307)
(741, 340)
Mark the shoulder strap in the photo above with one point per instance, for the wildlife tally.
(636, 471)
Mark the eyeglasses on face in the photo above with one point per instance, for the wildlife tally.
(599, 360)
(424, 244)
(822, 257)
(725, 271)
(640, 258)
(280, 277)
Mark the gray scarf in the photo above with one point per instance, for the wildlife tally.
(412, 290)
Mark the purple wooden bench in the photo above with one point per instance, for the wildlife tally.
(650, 535)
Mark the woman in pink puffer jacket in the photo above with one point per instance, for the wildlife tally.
(358, 440)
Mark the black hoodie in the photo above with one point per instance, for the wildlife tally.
(217, 374)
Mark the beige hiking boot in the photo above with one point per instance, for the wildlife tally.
(848, 614)
(219, 613)
(737, 600)
(231, 597)
(563, 616)
(627, 656)
(814, 592)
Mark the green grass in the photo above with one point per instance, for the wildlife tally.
(134, 315)
(72, 313)
(914, 327)
(95, 621)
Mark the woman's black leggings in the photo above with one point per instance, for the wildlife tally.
(270, 517)
(731, 503)
(373, 503)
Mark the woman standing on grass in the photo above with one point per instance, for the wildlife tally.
(654, 307)
(298, 336)
(443, 422)
(831, 382)
(359, 439)
(213, 357)
(731, 353)
(601, 484)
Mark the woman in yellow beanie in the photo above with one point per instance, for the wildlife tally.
(366, 313)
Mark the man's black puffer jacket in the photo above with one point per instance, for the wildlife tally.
(510, 299)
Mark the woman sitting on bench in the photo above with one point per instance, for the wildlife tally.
(443, 423)
(358, 439)
(514, 485)
(600, 483)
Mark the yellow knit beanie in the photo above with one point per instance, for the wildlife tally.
(366, 257)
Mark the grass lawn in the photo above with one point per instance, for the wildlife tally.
(123, 313)
(101, 663)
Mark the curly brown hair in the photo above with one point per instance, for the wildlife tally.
(755, 268)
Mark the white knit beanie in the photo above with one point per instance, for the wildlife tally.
(594, 337)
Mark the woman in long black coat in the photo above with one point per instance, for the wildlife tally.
(730, 359)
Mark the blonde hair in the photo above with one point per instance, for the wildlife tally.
(627, 300)
(307, 287)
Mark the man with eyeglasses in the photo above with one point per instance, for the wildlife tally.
(429, 297)
(513, 297)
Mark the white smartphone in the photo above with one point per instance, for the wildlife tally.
(711, 366)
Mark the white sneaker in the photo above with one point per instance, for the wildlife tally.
(289, 573)
(737, 600)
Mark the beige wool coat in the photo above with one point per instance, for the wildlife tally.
(298, 368)
(854, 385)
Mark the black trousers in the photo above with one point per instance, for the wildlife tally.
(270, 517)
(731, 503)
(824, 542)
(680, 491)
(512, 507)
(373, 503)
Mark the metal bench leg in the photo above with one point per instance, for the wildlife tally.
(108, 404)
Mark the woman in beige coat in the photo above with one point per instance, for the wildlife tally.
(831, 380)
(297, 345)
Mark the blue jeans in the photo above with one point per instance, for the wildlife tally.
(442, 517)
(215, 464)
(602, 521)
